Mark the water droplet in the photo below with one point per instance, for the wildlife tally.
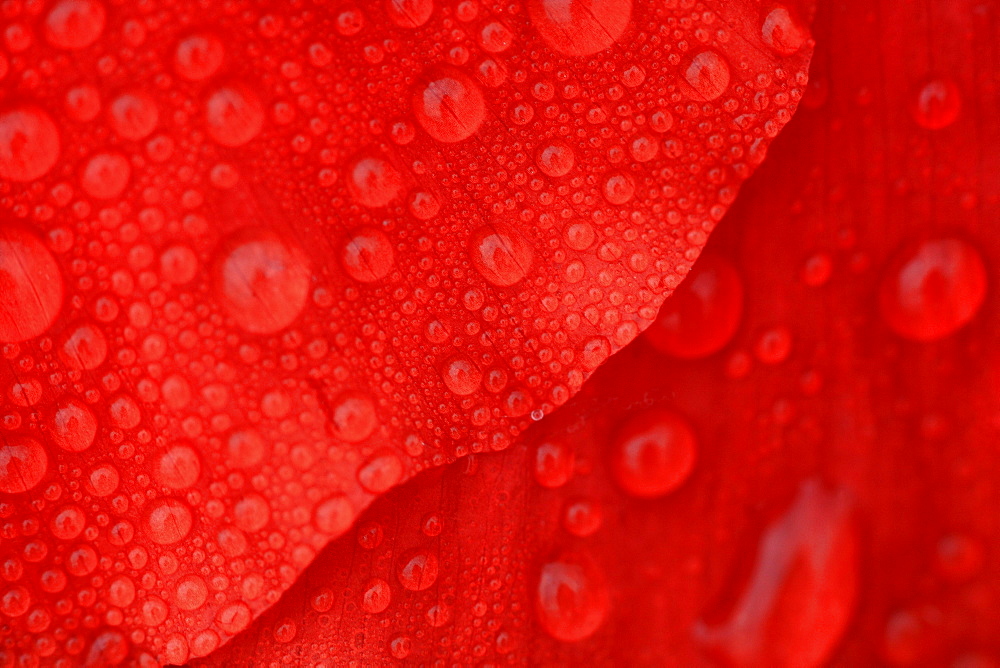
(801, 592)
(262, 280)
(29, 144)
(653, 453)
(554, 462)
(68, 523)
(572, 597)
(582, 517)
(31, 287)
(555, 159)
(178, 467)
(105, 175)
(251, 513)
(234, 617)
(936, 104)
(335, 515)
(594, 352)
(133, 115)
(932, 290)
(23, 463)
(74, 24)
(376, 596)
(619, 188)
(381, 473)
(580, 27)
(461, 376)
(234, 115)
(83, 347)
(702, 315)
(783, 32)
(708, 74)
(353, 417)
(373, 181)
(367, 255)
(73, 426)
(418, 570)
(449, 105)
(198, 57)
(168, 521)
(501, 254)
(191, 592)
(409, 13)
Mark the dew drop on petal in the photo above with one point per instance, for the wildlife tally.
(178, 467)
(367, 255)
(409, 13)
(652, 453)
(234, 617)
(418, 570)
(461, 376)
(74, 24)
(708, 74)
(31, 286)
(83, 347)
(73, 426)
(246, 448)
(381, 472)
(554, 462)
(29, 144)
(932, 290)
(449, 105)
(376, 596)
(251, 512)
(335, 515)
(198, 56)
(703, 314)
(353, 417)
(572, 597)
(936, 104)
(105, 175)
(501, 254)
(372, 181)
(580, 27)
(234, 115)
(262, 280)
(782, 31)
(555, 159)
(168, 521)
(23, 463)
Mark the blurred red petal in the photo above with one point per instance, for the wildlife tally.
(841, 506)
(263, 262)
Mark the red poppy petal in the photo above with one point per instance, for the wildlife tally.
(814, 486)
(264, 262)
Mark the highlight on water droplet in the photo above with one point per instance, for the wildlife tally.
(555, 159)
(653, 453)
(931, 290)
(367, 254)
(782, 31)
(29, 143)
(23, 463)
(74, 24)
(501, 254)
(373, 181)
(708, 74)
(261, 279)
(580, 27)
(31, 285)
(571, 599)
(234, 115)
(352, 416)
(461, 376)
(448, 104)
(936, 104)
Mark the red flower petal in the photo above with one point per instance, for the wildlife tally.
(263, 263)
(840, 509)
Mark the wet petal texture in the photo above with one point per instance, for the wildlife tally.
(263, 261)
(839, 509)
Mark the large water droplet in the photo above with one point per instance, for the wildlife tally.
(936, 104)
(418, 570)
(105, 175)
(555, 159)
(74, 24)
(353, 417)
(234, 115)
(31, 287)
(168, 521)
(572, 597)
(262, 280)
(373, 181)
(932, 290)
(29, 144)
(782, 31)
(198, 57)
(367, 255)
(652, 453)
(580, 27)
(449, 105)
(801, 592)
(73, 426)
(83, 347)
(409, 13)
(461, 376)
(703, 313)
(178, 467)
(23, 463)
(708, 74)
(501, 254)
(133, 115)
